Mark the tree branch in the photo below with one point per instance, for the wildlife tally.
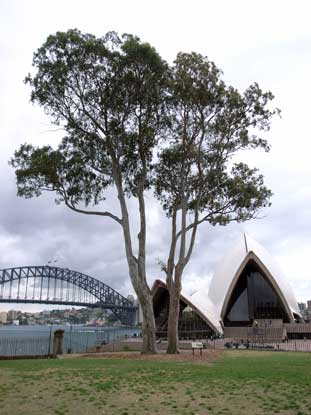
(142, 235)
(90, 212)
(193, 236)
(170, 261)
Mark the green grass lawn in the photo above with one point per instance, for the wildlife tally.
(239, 382)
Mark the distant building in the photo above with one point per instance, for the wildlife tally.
(302, 307)
(131, 298)
(12, 315)
(3, 317)
(309, 305)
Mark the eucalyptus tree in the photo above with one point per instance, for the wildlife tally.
(198, 178)
(108, 94)
(133, 123)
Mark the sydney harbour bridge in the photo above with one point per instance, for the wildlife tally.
(53, 285)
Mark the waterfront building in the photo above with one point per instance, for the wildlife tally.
(302, 307)
(248, 294)
(12, 315)
(131, 298)
(3, 317)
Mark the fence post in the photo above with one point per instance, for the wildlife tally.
(58, 342)
(49, 349)
(15, 348)
(70, 334)
(87, 341)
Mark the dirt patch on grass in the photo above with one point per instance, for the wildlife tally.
(184, 355)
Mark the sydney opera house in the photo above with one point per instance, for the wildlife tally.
(248, 296)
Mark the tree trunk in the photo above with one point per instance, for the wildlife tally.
(148, 327)
(144, 296)
(173, 317)
(139, 282)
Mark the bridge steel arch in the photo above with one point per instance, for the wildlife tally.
(106, 296)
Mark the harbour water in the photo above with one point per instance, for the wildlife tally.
(38, 340)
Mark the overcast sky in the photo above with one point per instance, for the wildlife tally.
(264, 41)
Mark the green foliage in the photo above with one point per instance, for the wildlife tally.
(108, 94)
(210, 124)
(62, 171)
(118, 102)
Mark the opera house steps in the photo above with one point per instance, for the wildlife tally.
(256, 334)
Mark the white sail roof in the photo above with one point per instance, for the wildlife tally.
(202, 302)
(211, 302)
(198, 301)
(232, 265)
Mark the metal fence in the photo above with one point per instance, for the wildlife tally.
(75, 340)
(289, 345)
(87, 340)
(27, 346)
